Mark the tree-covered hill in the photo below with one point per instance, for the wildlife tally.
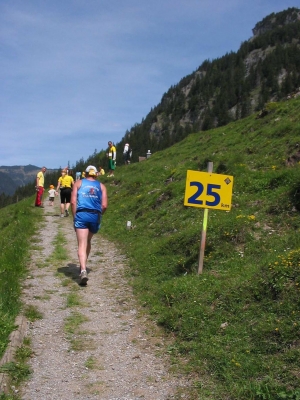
(264, 69)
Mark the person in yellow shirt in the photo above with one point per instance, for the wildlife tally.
(65, 184)
(101, 171)
(40, 187)
(112, 154)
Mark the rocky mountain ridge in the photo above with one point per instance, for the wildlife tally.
(276, 20)
(264, 69)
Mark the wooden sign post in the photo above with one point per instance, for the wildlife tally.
(204, 229)
(212, 191)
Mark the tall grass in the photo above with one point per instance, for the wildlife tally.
(17, 225)
(237, 324)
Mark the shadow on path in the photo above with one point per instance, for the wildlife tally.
(71, 271)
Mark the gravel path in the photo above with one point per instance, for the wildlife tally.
(92, 342)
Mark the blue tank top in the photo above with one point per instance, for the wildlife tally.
(89, 196)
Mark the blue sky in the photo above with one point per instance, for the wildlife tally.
(78, 73)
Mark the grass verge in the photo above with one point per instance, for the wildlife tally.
(18, 225)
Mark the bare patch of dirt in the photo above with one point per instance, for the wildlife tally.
(92, 342)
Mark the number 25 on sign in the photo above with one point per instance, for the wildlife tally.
(208, 190)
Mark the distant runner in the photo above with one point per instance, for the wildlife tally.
(112, 154)
(65, 184)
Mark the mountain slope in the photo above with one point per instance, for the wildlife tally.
(236, 325)
(264, 69)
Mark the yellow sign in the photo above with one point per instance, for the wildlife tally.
(208, 190)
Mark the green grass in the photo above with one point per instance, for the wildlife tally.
(18, 370)
(92, 363)
(4, 396)
(74, 333)
(18, 224)
(73, 300)
(237, 324)
(60, 252)
(32, 313)
(73, 322)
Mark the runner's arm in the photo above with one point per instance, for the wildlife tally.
(74, 197)
(58, 185)
(104, 198)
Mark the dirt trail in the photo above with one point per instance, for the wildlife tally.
(110, 355)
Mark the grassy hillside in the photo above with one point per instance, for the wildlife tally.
(237, 324)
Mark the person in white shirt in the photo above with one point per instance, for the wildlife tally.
(127, 153)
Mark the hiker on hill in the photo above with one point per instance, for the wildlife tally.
(40, 180)
(127, 152)
(88, 203)
(112, 154)
(65, 184)
(101, 171)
